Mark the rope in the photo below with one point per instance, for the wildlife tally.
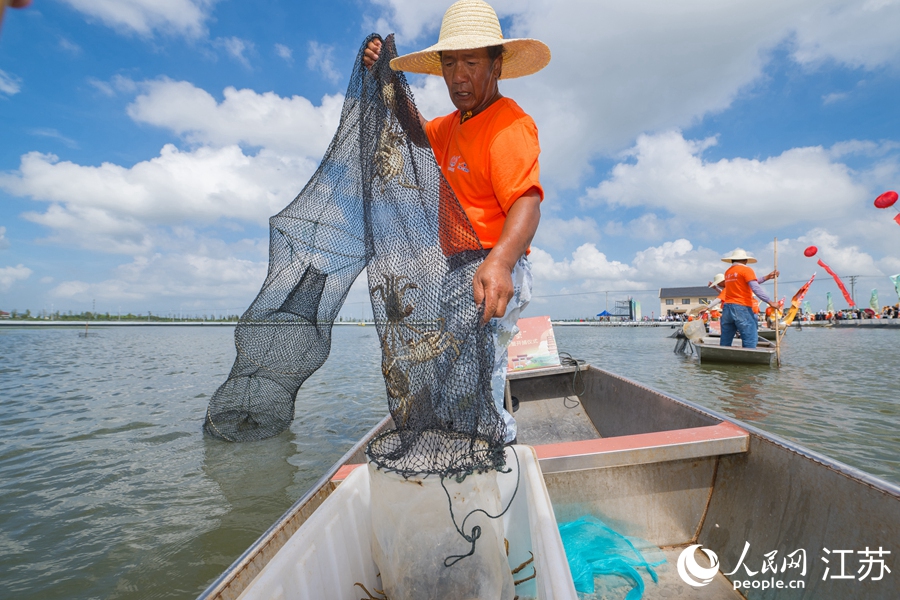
(476, 530)
(567, 360)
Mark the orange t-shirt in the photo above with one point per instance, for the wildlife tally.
(490, 161)
(737, 285)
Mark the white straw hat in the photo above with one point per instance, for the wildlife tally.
(719, 278)
(471, 24)
(739, 255)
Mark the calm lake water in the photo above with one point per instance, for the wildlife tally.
(109, 489)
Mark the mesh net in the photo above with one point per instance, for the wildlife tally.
(377, 202)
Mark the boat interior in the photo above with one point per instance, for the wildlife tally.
(667, 471)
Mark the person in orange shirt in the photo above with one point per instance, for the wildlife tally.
(488, 153)
(741, 284)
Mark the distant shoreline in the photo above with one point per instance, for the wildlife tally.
(863, 324)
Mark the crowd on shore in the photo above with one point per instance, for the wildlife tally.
(887, 312)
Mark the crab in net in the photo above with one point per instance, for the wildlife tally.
(404, 345)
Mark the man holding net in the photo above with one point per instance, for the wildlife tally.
(488, 152)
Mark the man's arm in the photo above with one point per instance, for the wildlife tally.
(492, 283)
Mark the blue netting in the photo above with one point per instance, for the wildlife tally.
(593, 549)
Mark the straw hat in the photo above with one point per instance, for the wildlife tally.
(739, 255)
(471, 24)
(719, 278)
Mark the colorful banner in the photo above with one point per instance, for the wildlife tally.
(873, 301)
(830, 306)
(796, 300)
(895, 279)
(806, 309)
(839, 283)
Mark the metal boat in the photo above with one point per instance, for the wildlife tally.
(779, 520)
(713, 353)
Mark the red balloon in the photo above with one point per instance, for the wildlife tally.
(886, 199)
(811, 251)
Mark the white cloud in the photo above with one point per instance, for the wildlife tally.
(622, 69)
(284, 52)
(430, 94)
(559, 233)
(70, 46)
(144, 17)
(10, 85)
(10, 275)
(197, 278)
(291, 125)
(236, 48)
(4, 243)
(111, 208)
(855, 33)
(677, 261)
(739, 194)
(834, 97)
(117, 84)
(586, 263)
(49, 132)
(321, 59)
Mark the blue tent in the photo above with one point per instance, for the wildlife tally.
(605, 313)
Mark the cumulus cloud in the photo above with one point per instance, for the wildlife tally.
(858, 34)
(146, 17)
(10, 275)
(110, 207)
(291, 125)
(669, 173)
(4, 243)
(558, 233)
(211, 275)
(623, 69)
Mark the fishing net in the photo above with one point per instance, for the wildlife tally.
(377, 202)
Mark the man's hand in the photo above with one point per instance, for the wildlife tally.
(373, 51)
(772, 275)
(493, 285)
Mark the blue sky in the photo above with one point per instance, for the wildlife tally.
(145, 143)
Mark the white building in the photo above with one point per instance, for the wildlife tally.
(679, 300)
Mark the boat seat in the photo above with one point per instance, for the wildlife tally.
(643, 448)
(637, 449)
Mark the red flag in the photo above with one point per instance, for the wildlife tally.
(897, 218)
(839, 283)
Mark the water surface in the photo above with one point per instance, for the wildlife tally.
(110, 490)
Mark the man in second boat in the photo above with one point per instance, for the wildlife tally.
(741, 284)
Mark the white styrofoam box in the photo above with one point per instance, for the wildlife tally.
(332, 550)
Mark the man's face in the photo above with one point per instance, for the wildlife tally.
(471, 77)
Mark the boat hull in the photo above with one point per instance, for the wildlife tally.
(734, 355)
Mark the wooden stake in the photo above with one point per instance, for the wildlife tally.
(777, 336)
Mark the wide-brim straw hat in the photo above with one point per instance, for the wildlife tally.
(739, 255)
(719, 278)
(471, 24)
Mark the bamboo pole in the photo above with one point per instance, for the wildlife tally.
(777, 335)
